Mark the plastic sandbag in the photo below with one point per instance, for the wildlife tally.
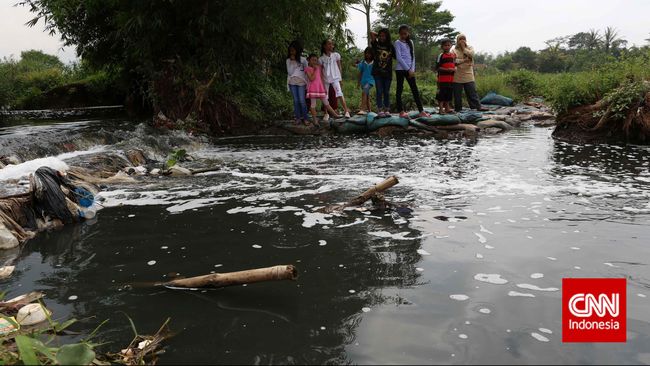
(48, 195)
(440, 120)
(378, 123)
(355, 124)
(496, 99)
(471, 116)
(84, 197)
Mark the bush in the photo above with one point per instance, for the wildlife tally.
(525, 83)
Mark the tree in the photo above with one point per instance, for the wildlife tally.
(34, 60)
(611, 40)
(205, 60)
(366, 9)
(525, 58)
(434, 24)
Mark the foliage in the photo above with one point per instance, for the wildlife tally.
(175, 157)
(26, 82)
(620, 100)
(202, 58)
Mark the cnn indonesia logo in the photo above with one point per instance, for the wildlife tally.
(593, 310)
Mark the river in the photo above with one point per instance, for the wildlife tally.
(471, 274)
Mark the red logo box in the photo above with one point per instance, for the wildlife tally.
(594, 310)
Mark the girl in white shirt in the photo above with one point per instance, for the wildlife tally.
(297, 81)
(331, 62)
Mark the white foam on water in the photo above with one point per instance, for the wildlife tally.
(322, 243)
(519, 294)
(610, 265)
(481, 238)
(351, 291)
(641, 295)
(151, 262)
(198, 203)
(29, 167)
(250, 209)
(398, 236)
(492, 278)
(467, 322)
(537, 275)
(73, 297)
(256, 246)
(545, 330)
(484, 311)
(484, 230)
(131, 215)
(423, 252)
(551, 258)
(577, 267)
(312, 219)
(365, 310)
(539, 337)
(462, 336)
(487, 246)
(419, 269)
(459, 297)
(575, 248)
(479, 255)
(528, 286)
(356, 222)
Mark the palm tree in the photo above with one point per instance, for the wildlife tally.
(611, 39)
(593, 40)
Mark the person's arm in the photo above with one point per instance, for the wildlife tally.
(373, 37)
(402, 59)
(311, 73)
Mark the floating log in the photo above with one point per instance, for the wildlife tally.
(216, 280)
(378, 188)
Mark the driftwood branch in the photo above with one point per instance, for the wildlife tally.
(216, 280)
(378, 188)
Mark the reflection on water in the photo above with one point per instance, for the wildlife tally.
(520, 213)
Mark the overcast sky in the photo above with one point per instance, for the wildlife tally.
(491, 26)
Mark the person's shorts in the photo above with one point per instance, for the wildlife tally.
(445, 92)
(366, 88)
(337, 87)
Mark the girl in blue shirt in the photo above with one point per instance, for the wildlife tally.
(366, 80)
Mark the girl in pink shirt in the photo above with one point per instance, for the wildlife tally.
(315, 87)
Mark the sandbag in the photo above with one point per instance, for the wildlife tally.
(440, 120)
(471, 116)
(496, 99)
(378, 123)
(354, 124)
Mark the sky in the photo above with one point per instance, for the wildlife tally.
(491, 26)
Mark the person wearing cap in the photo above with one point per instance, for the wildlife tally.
(464, 76)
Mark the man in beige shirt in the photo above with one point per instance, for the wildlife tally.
(464, 76)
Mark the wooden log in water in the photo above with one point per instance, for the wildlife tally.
(216, 280)
(378, 188)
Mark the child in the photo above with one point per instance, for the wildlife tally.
(315, 88)
(406, 70)
(382, 69)
(331, 62)
(366, 81)
(297, 81)
(446, 67)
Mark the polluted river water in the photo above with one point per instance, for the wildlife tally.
(471, 273)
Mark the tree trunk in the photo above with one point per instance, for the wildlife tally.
(216, 280)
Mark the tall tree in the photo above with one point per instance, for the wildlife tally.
(611, 40)
(364, 7)
(525, 58)
(194, 58)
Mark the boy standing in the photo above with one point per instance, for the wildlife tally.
(446, 67)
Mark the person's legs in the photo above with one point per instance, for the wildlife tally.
(386, 92)
(296, 102)
(458, 96)
(400, 74)
(313, 110)
(339, 94)
(416, 93)
(379, 83)
(302, 93)
(472, 95)
(329, 109)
